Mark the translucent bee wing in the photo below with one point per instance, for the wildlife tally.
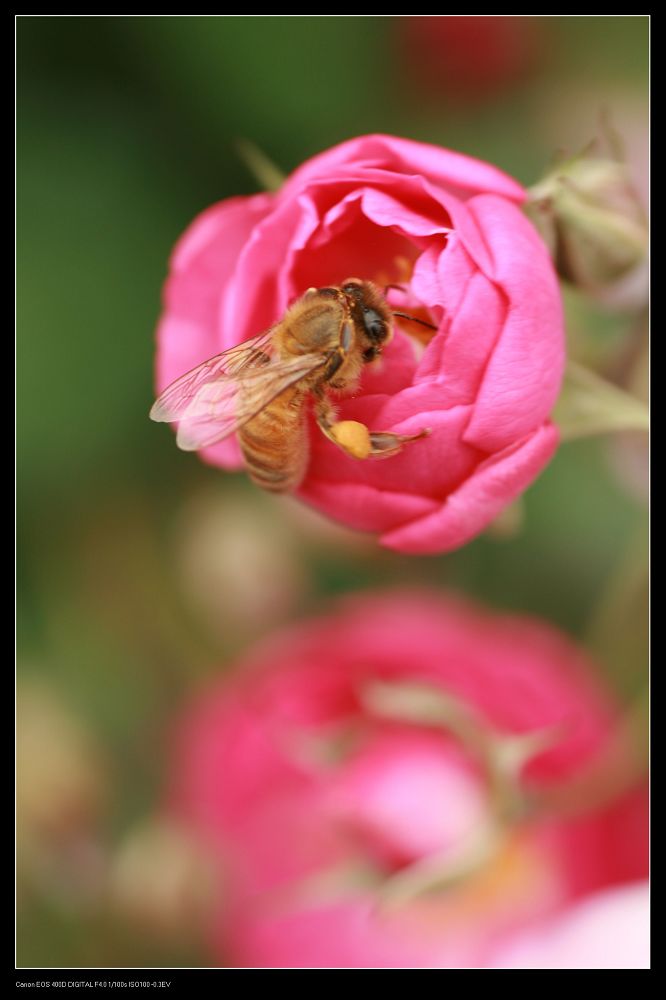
(177, 397)
(219, 408)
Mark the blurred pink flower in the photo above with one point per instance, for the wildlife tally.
(319, 804)
(610, 930)
(450, 230)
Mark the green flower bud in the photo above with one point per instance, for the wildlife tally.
(590, 216)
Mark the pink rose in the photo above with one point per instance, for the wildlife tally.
(320, 804)
(447, 227)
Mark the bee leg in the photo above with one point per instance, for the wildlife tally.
(356, 439)
(384, 445)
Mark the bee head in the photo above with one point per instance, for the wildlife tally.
(371, 315)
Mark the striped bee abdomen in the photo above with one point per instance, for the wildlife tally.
(275, 443)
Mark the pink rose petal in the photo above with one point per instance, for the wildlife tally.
(472, 507)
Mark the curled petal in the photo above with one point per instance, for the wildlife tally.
(471, 508)
(444, 166)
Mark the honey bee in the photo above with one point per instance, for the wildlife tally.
(260, 388)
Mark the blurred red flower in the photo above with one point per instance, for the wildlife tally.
(329, 786)
(469, 58)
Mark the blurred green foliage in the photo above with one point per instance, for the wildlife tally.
(126, 129)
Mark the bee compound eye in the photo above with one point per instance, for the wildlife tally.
(374, 324)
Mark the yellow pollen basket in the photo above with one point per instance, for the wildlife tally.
(353, 437)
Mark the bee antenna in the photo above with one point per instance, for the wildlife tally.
(414, 319)
(400, 288)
